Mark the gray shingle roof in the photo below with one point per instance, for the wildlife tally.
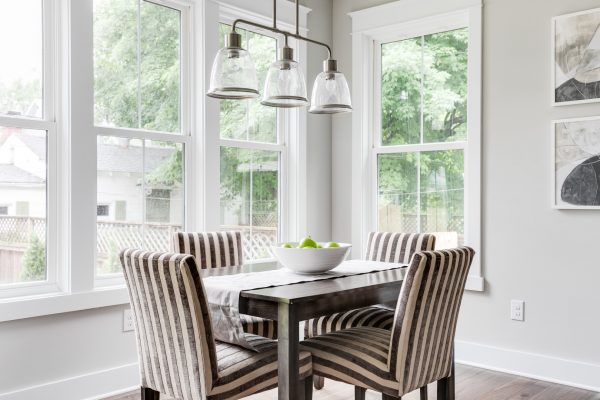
(13, 174)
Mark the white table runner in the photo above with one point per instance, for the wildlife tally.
(223, 292)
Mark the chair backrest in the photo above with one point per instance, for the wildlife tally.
(422, 343)
(173, 330)
(211, 249)
(396, 246)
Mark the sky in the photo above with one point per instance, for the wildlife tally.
(20, 40)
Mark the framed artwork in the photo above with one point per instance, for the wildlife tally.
(576, 55)
(576, 159)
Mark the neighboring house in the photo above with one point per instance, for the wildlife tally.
(120, 173)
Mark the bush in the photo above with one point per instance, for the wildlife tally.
(34, 261)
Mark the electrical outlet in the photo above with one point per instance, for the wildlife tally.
(127, 320)
(517, 310)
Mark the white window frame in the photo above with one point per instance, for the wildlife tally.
(48, 123)
(184, 137)
(291, 123)
(370, 28)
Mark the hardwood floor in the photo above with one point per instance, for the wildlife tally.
(471, 384)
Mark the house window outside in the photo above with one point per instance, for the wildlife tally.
(252, 150)
(420, 149)
(102, 210)
(3, 210)
(142, 136)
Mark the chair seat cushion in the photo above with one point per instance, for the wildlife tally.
(373, 316)
(259, 326)
(242, 372)
(357, 356)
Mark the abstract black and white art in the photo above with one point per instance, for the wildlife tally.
(577, 163)
(577, 57)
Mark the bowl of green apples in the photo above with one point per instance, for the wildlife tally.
(309, 256)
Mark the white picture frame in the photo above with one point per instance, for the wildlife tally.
(578, 46)
(569, 154)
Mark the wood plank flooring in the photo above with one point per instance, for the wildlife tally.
(471, 384)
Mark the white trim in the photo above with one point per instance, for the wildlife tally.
(377, 25)
(553, 58)
(554, 202)
(91, 386)
(60, 302)
(531, 365)
(247, 144)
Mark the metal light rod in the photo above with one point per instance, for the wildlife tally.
(282, 32)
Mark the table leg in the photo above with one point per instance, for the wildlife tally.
(288, 346)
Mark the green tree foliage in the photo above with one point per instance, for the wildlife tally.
(18, 96)
(34, 261)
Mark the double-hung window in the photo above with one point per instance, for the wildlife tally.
(142, 127)
(417, 126)
(251, 159)
(28, 137)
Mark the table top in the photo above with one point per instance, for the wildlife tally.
(314, 290)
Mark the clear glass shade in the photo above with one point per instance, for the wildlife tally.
(330, 94)
(233, 75)
(285, 85)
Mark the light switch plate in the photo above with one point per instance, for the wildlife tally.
(517, 310)
(127, 320)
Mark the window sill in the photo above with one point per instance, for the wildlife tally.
(57, 303)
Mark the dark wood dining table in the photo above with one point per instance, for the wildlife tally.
(291, 304)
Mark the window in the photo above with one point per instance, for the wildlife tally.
(102, 210)
(422, 140)
(139, 118)
(251, 159)
(27, 134)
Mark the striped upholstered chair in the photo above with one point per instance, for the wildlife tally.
(381, 246)
(420, 347)
(177, 352)
(222, 249)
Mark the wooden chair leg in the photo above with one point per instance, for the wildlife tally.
(308, 388)
(359, 393)
(318, 381)
(423, 392)
(389, 397)
(149, 394)
(443, 389)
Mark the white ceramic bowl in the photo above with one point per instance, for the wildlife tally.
(310, 261)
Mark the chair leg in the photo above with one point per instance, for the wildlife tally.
(308, 388)
(149, 394)
(389, 397)
(423, 391)
(445, 386)
(318, 381)
(359, 393)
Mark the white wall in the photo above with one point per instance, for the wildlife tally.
(529, 251)
(318, 146)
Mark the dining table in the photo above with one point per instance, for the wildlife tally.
(291, 304)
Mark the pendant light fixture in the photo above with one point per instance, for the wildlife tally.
(233, 75)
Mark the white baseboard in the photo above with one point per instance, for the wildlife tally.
(551, 369)
(91, 386)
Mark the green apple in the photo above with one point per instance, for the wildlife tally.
(332, 244)
(287, 246)
(319, 246)
(307, 243)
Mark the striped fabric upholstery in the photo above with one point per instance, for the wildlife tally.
(382, 246)
(211, 249)
(178, 355)
(419, 349)
(396, 246)
(222, 249)
(422, 346)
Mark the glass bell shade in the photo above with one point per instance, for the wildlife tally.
(330, 94)
(285, 86)
(233, 75)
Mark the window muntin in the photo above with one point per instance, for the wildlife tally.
(22, 68)
(420, 154)
(137, 65)
(424, 89)
(23, 170)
